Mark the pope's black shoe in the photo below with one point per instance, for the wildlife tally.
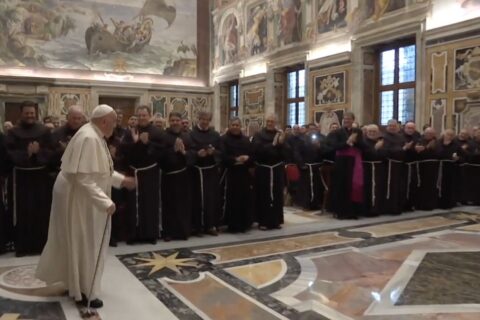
(95, 303)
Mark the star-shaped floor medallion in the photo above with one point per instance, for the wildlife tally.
(159, 262)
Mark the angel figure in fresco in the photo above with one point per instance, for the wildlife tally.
(254, 39)
(289, 21)
(380, 8)
(230, 41)
(328, 12)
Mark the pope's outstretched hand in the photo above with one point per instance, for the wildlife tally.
(129, 183)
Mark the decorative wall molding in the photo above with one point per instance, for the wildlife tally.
(452, 32)
(439, 72)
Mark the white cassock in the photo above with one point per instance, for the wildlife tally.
(81, 196)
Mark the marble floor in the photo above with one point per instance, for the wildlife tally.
(419, 265)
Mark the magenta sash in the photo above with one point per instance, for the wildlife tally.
(357, 177)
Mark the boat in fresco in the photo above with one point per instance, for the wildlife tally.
(125, 38)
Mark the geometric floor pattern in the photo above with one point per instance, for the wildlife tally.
(416, 266)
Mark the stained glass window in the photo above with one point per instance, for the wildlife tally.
(406, 104)
(406, 64)
(296, 97)
(388, 67)
(233, 107)
(292, 84)
(397, 83)
(387, 107)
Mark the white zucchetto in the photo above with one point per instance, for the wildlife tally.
(101, 111)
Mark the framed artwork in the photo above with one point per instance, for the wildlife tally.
(159, 106)
(467, 70)
(180, 105)
(325, 118)
(254, 100)
(330, 89)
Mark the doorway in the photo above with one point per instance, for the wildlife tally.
(126, 104)
(12, 111)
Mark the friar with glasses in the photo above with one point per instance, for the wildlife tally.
(236, 151)
(142, 157)
(396, 171)
(347, 186)
(176, 157)
(308, 156)
(374, 155)
(269, 152)
(427, 164)
(29, 146)
(206, 176)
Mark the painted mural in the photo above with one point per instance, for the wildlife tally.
(229, 40)
(136, 36)
(288, 22)
(331, 15)
(256, 38)
(249, 28)
(467, 68)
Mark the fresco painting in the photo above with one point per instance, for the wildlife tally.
(138, 36)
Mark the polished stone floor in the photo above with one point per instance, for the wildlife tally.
(420, 265)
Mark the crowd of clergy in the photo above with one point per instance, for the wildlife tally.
(193, 180)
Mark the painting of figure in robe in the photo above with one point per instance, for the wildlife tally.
(324, 119)
(256, 36)
(229, 40)
(140, 36)
(377, 8)
(288, 22)
(331, 15)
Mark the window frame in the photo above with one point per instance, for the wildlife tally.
(297, 99)
(396, 86)
(235, 107)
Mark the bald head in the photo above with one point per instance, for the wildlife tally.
(270, 122)
(429, 133)
(75, 117)
(410, 128)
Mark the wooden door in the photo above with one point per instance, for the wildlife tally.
(126, 104)
(12, 111)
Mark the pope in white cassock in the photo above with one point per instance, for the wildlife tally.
(81, 206)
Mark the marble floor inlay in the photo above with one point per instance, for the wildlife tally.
(260, 274)
(444, 278)
(418, 266)
(388, 229)
(265, 248)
